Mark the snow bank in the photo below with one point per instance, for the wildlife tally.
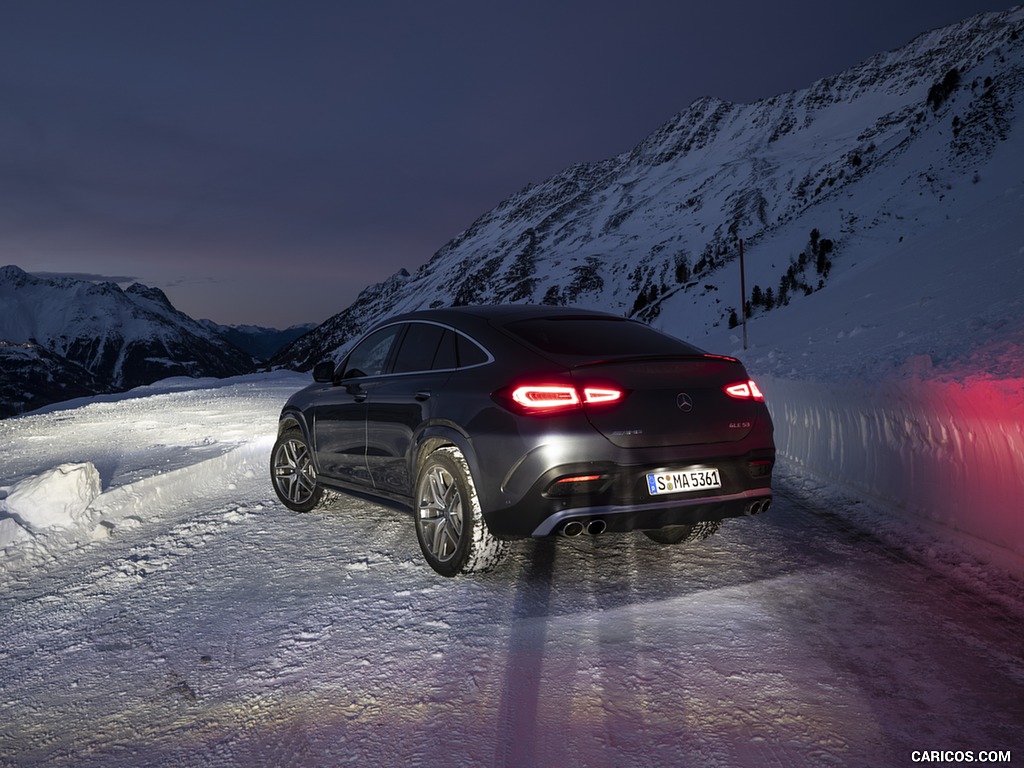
(56, 499)
(948, 453)
(65, 509)
(82, 472)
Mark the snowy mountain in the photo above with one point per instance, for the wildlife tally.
(64, 338)
(813, 181)
(260, 342)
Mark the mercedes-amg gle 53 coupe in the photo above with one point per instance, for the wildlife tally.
(503, 422)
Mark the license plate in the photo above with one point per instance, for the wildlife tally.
(684, 481)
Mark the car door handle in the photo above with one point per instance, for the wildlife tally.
(423, 394)
(360, 396)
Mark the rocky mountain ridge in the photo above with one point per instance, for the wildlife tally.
(872, 152)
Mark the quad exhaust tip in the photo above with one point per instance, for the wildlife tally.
(597, 526)
(572, 528)
(759, 506)
(576, 527)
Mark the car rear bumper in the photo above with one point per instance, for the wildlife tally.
(619, 501)
(633, 517)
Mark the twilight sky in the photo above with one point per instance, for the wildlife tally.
(262, 161)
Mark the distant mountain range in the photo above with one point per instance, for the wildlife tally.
(62, 338)
(260, 342)
(810, 179)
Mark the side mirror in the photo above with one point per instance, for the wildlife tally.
(323, 372)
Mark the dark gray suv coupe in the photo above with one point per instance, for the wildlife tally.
(503, 422)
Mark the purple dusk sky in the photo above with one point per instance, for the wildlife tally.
(263, 161)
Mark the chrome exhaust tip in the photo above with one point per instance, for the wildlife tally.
(572, 528)
(759, 506)
(596, 527)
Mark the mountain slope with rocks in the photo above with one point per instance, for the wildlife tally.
(871, 153)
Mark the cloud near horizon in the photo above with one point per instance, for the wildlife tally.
(89, 277)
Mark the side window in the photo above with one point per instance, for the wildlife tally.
(446, 357)
(371, 354)
(469, 352)
(418, 348)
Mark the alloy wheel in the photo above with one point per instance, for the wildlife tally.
(440, 513)
(294, 474)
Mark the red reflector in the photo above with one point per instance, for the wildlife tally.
(579, 479)
(745, 390)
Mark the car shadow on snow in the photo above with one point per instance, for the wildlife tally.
(520, 690)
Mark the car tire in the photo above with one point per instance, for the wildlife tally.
(679, 534)
(292, 472)
(450, 526)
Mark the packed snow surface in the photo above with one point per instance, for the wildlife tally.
(185, 617)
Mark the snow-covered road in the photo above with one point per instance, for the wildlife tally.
(212, 627)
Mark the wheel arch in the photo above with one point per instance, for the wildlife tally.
(296, 419)
(292, 419)
(293, 471)
(438, 436)
(476, 549)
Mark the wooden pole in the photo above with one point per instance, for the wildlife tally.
(743, 296)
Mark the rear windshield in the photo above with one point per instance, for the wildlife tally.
(596, 337)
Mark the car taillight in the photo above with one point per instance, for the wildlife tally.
(744, 390)
(546, 398)
(597, 395)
